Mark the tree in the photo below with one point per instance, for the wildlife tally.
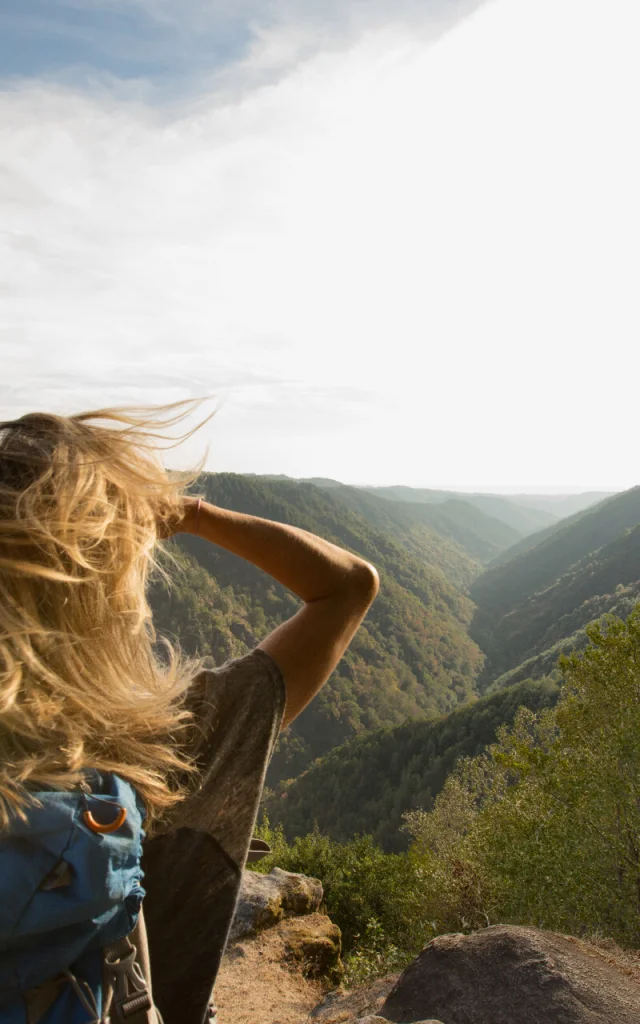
(546, 824)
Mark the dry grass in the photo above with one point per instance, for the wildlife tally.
(627, 961)
(256, 986)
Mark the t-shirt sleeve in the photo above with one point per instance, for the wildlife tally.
(238, 711)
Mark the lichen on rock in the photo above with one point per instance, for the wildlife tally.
(314, 942)
(266, 899)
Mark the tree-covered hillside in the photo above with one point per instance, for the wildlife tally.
(533, 540)
(620, 603)
(482, 535)
(411, 657)
(500, 588)
(414, 528)
(366, 785)
(593, 586)
(530, 605)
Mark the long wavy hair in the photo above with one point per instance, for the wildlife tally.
(85, 510)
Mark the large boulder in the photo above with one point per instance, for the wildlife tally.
(514, 975)
(266, 899)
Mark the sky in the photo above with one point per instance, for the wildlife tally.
(390, 241)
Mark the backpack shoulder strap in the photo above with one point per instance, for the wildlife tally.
(127, 988)
(126, 991)
(38, 1001)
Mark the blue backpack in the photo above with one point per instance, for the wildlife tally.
(70, 894)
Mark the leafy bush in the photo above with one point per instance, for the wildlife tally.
(361, 885)
(374, 956)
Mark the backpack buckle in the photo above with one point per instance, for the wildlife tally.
(134, 1004)
(130, 992)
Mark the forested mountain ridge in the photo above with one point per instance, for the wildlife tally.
(595, 585)
(413, 531)
(532, 607)
(524, 514)
(533, 540)
(480, 535)
(456, 523)
(519, 517)
(366, 785)
(502, 587)
(411, 657)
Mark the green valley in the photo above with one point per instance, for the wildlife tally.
(366, 785)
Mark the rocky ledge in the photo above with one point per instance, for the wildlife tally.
(504, 974)
(267, 899)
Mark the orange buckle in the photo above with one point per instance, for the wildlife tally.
(113, 826)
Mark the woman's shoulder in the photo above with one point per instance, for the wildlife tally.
(255, 668)
(244, 693)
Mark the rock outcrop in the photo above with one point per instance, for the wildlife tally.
(267, 899)
(282, 955)
(514, 975)
(314, 942)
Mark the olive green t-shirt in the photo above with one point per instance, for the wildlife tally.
(193, 868)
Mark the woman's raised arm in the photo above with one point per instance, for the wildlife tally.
(336, 586)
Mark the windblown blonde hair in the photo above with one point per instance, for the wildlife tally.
(84, 509)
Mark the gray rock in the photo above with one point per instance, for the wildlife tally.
(514, 975)
(266, 899)
(382, 1020)
(342, 1006)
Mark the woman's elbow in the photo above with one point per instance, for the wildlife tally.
(365, 582)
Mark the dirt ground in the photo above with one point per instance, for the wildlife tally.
(255, 986)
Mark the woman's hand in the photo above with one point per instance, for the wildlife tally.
(184, 522)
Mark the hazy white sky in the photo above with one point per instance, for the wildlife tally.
(399, 256)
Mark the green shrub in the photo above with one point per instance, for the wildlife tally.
(361, 885)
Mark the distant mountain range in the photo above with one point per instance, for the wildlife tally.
(524, 513)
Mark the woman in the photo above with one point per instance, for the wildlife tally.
(83, 510)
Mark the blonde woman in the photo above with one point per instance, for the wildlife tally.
(85, 507)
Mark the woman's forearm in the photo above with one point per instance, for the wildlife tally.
(311, 567)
